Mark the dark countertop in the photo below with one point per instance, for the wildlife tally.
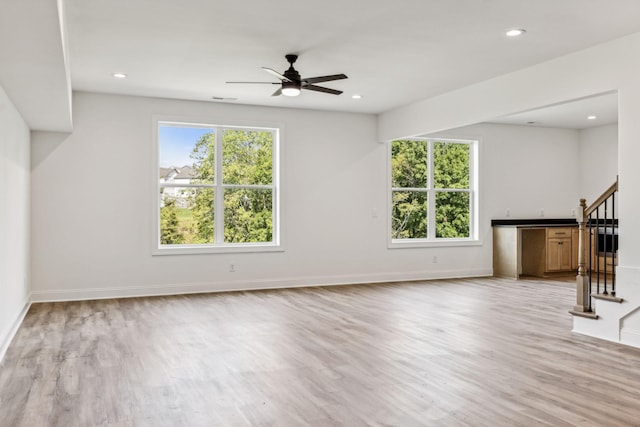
(534, 222)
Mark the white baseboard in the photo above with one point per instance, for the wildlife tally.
(10, 332)
(245, 285)
(627, 336)
(630, 337)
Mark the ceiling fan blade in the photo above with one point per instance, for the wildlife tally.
(322, 89)
(277, 74)
(278, 92)
(321, 79)
(257, 83)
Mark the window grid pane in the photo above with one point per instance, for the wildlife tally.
(452, 214)
(248, 215)
(409, 164)
(409, 215)
(186, 216)
(451, 165)
(247, 157)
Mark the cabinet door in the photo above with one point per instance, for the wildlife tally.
(553, 255)
(559, 254)
(566, 254)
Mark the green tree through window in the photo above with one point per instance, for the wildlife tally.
(431, 189)
(169, 224)
(229, 196)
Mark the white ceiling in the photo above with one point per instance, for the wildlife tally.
(573, 114)
(394, 53)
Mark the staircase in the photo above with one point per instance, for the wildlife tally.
(600, 310)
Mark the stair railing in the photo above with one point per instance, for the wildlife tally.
(597, 251)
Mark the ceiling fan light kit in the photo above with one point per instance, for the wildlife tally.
(290, 89)
(291, 83)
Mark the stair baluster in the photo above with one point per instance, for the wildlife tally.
(602, 237)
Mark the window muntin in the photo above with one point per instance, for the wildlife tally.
(217, 186)
(433, 190)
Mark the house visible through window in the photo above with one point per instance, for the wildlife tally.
(433, 190)
(217, 186)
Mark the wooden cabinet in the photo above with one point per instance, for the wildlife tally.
(534, 250)
(559, 254)
(559, 232)
(559, 249)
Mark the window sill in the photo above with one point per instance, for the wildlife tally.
(227, 249)
(418, 243)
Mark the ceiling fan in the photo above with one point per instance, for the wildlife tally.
(291, 82)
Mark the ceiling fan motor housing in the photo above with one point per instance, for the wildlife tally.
(293, 75)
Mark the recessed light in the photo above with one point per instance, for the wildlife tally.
(119, 75)
(356, 96)
(591, 117)
(515, 32)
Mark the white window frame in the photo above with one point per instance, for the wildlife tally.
(219, 246)
(474, 215)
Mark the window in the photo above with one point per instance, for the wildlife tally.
(217, 188)
(433, 191)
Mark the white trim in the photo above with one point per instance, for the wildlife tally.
(431, 194)
(440, 243)
(246, 285)
(218, 196)
(389, 188)
(474, 190)
(219, 249)
(7, 337)
(155, 186)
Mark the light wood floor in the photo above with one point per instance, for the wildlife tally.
(477, 352)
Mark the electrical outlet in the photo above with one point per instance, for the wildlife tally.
(508, 212)
(232, 268)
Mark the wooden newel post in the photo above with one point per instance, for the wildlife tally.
(582, 238)
(583, 300)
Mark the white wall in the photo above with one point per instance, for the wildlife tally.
(526, 170)
(14, 219)
(598, 160)
(93, 191)
(601, 69)
(585, 160)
